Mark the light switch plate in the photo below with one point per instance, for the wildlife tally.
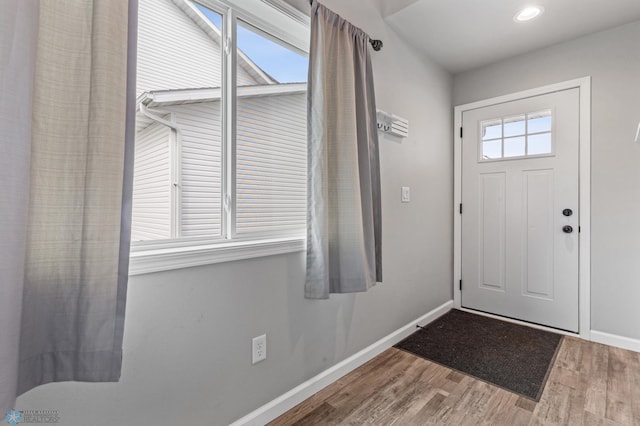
(406, 194)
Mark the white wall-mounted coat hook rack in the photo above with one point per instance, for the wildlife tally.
(393, 124)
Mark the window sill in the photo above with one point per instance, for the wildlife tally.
(145, 261)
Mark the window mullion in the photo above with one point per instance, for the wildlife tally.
(229, 125)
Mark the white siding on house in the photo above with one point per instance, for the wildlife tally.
(271, 163)
(175, 53)
(151, 185)
(201, 177)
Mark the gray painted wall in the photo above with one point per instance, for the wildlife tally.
(188, 332)
(612, 59)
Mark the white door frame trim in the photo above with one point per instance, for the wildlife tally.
(584, 273)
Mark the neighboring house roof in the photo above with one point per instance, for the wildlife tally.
(187, 96)
(186, 19)
(159, 98)
(192, 11)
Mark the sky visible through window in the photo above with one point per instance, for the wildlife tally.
(517, 136)
(285, 65)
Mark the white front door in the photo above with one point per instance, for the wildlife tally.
(520, 218)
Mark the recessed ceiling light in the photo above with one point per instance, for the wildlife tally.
(528, 13)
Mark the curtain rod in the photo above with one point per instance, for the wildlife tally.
(376, 44)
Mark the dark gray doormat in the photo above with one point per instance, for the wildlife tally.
(511, 356)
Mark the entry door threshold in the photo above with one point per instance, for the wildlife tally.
(520, 322)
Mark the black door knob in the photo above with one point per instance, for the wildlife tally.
(567, 212)
(567, 229)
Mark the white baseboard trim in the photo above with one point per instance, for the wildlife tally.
(615, 340)
(284, 403)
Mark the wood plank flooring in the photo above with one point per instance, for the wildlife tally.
(590, 384)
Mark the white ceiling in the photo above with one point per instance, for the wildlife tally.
(466, 34)
(389, 7)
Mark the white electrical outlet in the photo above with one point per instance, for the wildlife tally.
(259, 349)
(406, 194)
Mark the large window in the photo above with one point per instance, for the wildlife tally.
(221, 124)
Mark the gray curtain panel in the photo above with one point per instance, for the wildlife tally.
(344, 215)
(75, 152)
(18, 37)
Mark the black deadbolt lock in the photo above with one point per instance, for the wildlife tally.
(567, 212)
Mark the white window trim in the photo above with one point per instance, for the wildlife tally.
(144, 260)
(165, 255)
